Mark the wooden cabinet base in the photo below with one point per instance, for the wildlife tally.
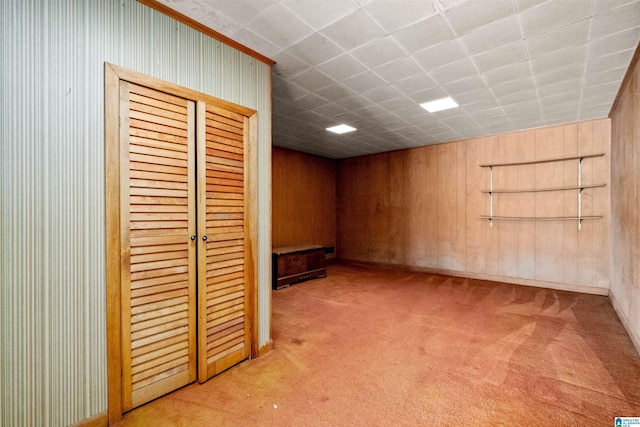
(297, 264)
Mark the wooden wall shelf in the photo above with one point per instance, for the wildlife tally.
(538, 190)
(535, 162)
(578, 188)
(540, 218)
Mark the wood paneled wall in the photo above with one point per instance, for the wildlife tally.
(421, 208)
(304, 199)
(625, 205)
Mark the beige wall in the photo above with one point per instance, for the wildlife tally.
(421, 208)
(304, 199)
(625, 203)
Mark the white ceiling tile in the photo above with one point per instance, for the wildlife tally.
(240, 11)
(315, 49)
(382, 93)
(441, 54)
(475, 96)
(281, 27)
(334, 92)
(565, 87)
(257, 43)
(411, 112)
(617, 19)
(501, 56)
(467, 16)
(602, 5)
(610, 62)
(559, 102)
(289, 92)
(617, 42)
(378, 52)
(454, 71)
(518, 96)
(211, 17)
(363, 82)
(561, 74)
(480, 106)
(428, 95)
(493, 115)
(288, 65)
(514, 71)
(593, 111)
(513, 86)
(330, 110)
(415, 83)
(460, 122)
(559, 59)
(312, 79)
(574, 34)
(332, 10)
(391, 15)
(552, 14)
(354, 30)
(603, 77)
(522, 109)
(399, 69)
(354, 102)
(452, 112)
(370, 110)
(526, 4)
(473, 83)
(396, 104)
(311, 101)
(342, 67)
(492, 35)
(598, 94)
(423, 34)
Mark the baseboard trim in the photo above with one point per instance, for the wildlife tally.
(98, 420)
(633, 334)
(585, 289)
(265, 348)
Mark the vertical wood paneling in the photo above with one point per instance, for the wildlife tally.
(549, 265)
(526, 204)
(440, 188)
(304, 199)
(625, 206)
(508, 252)
(52, 243)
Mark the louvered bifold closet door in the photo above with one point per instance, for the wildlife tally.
(158, 256)
(223, 293)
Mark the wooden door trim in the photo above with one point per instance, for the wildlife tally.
(113, 77)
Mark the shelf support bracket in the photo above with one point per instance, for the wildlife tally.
(580, 193)
(491, 196)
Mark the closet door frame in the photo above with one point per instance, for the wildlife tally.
(113, 76)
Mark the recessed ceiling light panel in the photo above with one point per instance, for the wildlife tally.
(341, 129)
(439, 104)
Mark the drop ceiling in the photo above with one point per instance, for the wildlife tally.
(509, 64)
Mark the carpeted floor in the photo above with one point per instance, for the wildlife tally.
(371, 346)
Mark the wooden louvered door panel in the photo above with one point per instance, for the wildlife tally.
(158, 283)
(223, 335)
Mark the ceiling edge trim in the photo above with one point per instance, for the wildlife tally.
(155, 4)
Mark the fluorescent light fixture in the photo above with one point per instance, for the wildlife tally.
(439, 104)
(341, 129)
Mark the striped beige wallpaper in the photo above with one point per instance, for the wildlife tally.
(52, 238)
